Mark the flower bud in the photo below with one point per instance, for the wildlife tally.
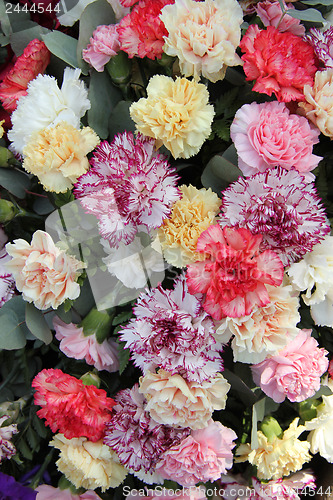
(91, 378)
(271, 428)
(5, 157)
(7, 211)
(119, 68)
(308, 409)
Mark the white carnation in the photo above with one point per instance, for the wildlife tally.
(321, 437)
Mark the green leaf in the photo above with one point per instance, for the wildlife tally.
(317, 2)
(43, 206)
(24, 449)
(258, 413)
(32, 439)
(103, 97)
(85, 302)
(122, 317)
(240, 386)
(311, 15)
(95, 14)
(11, 334)
(221, 171)
(37, 325)
(225, 101)
(62, 46)
(4, 19)
(124, 356)
(39, 426)
(23, 35)
(120, 119)
(15, 181)
(222, 129)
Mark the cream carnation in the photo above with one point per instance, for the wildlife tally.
(277, 457)
(57, 155)
(46, 105)
(203, 35)
(265, 330)
(318, 105)
(88, 465)
(174, 401)
(314, 275)
(190, 216)
(320, 437)
(175, 113)
(44, 274)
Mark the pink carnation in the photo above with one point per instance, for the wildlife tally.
(137, 439)
(76, 345)
(267, 135)
(168, 494)
(281, 63)
(294, 372)
(281, 207)
(103, 45)
(128, 185)
(202, 456)
(172, 331)
(322, 42)
(46, 492)
(270, 14)
(128, 3)
(70, 407)
(33, 61)
(234, 274)
(141, 32)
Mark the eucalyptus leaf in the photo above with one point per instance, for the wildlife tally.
(221, 171)
(62, 46)
(95, 14)
(11, 333)
(37, 325)
(4, 19)
(317, 2)
(120, 119)
(103, 97)
(15, 181)
(311, 15)
(22, 35)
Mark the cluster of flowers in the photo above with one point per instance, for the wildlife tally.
(241, 260)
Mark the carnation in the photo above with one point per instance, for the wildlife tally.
(168, 494)
(203, 35)
(175, 113)
(70, 406)
(88, 465)
(190, 216)
(280, 63)
(322, 42)
(46, 492)
(75, 344)
(280, 206)
(58, 155)
(34, 60)
(234, 276)
(267, 135)
(172, 331)
(174, 401)
(266, 330)
(320, 437)
(314, 275)
(203, 456)
(270, 14)
(47, 105)
(129, 185)
(294, 372)
(277, 457)
(7, 449)
(7, 281)
(43, 273)
(141, 32)
(103, 45)
(318, 102)
(138, 440)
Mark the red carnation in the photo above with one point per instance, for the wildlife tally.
(33, 61)
(279, 62)
(70, 407)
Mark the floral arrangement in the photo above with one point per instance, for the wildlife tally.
(166, 272)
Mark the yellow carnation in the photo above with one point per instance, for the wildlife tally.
(277, 457)
(1, 128)
(175, 113)
(174, 401)
(88, 465)
(57, 155)
(190, 216)
(319, 102)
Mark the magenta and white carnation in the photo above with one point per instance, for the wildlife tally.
(128, 185)
(294, 372)
(267, 135)
(138, 439)
(282, 207)
(322, 43)
(172, 331)
(7, 449)
(76, 345)
(200, 457)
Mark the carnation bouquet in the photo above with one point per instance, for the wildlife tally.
(166, 263)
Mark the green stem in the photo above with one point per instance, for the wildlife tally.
(38, 476)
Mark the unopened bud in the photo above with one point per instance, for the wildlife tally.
(7, 211)
(119, 68)
(91, 378)
(271, 428)
(308, 409)
(5, 157)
